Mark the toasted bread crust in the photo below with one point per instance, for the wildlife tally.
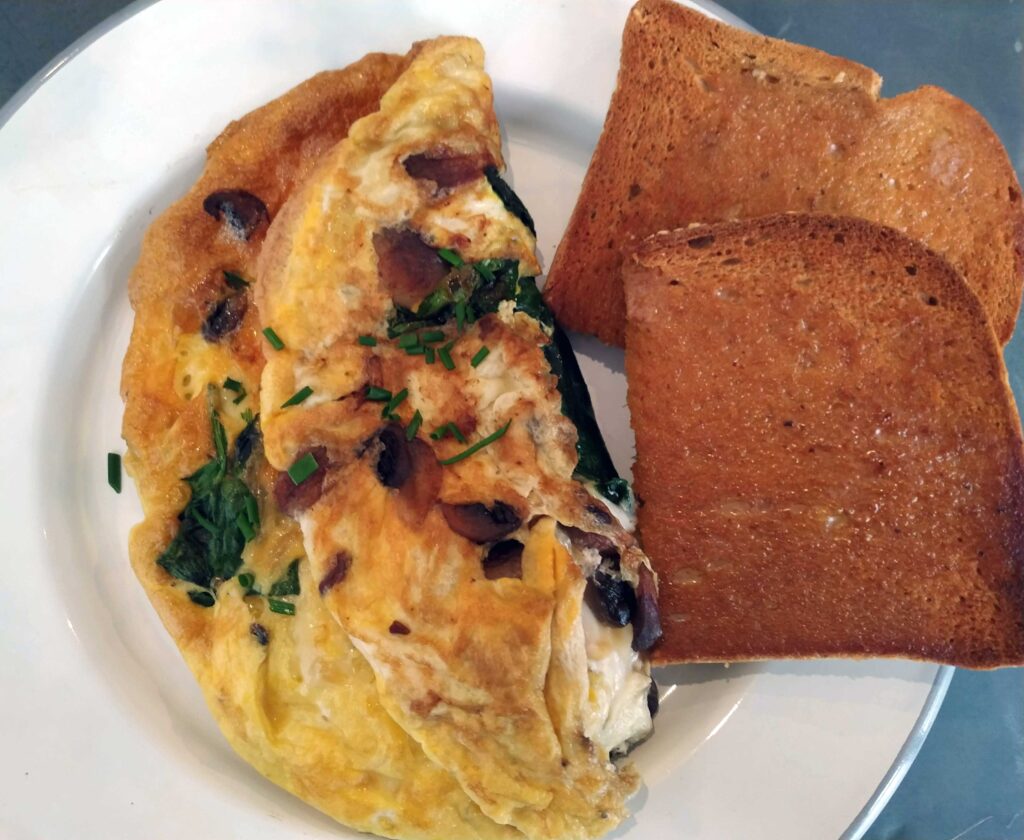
(828, 453)
(709, 123)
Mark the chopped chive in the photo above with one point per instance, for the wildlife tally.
(303, 468)
(419, 350)
(235, 281)
(252, 511)
(114, 471)
(233, 385)
(283, 607)
(407, 340)
(457, 433)
(377, 394)
(479, 356)
(299, 396)
(206, 523)
(460, 314)
(367, 341)
(414, 425)
(440, 432)
(247, 416)
(201, 598)
(243, 525)
(446, 358)
(484, 272)
(394, 402)
(430, 354)
(272, 337)
(246, 581)
(450, 257)
(476, 447)
(432, 336)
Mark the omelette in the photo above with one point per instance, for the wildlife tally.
(434, 440)
(286, 686)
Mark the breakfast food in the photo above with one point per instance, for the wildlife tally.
(422, 413)
(709, 123)
(829, 457)
(283, 688)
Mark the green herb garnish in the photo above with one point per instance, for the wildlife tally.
(414, 425)
(450, 257)
(216, 522)
(272, 337)
(247, 416)
(512, 202)
(476, 447)
(299, 396)
(236, 386)
(114, 471)
(440, 432)
(377, 394)
(201, 597)
(288, 583)
(303, 468)
(457, 433)
(282, 607)
(367, 341)
(444, 354)
(248, 584)
(408, 340)
(394, 402)
(236, 281)
(479, 356)
(431, 336)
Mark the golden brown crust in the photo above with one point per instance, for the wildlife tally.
(828, 452)
(709, 123)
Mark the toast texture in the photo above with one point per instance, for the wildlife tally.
(709, 123)
(829, 457)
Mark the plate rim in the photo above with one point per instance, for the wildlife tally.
(918, 733)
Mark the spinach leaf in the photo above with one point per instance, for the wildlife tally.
(213, 525)
(288, 583)
(512, 202)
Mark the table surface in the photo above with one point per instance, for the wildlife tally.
(968, 781)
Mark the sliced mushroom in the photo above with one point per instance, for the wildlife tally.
(504, 560)
(479, 523)
(336, 574)
(294, 498)
(225, 317)
(610, 598)
(408, 267)
(653, 699)
(418, 494)
(397, 628)
(259, 633)
(446, 167)
(394, 459)
(241, 211)
(646, 618)
(587, 539)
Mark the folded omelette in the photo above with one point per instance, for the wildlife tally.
(455, 643)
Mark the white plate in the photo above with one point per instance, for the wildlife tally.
(105, 734)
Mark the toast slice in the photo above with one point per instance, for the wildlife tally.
(709, 123)
(828, 453)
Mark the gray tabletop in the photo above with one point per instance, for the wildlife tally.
(968, 781)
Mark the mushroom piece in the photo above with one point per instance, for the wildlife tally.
(225, 317)
(446, 167)
(610, 598)
(337, 573)
(504, 560)
(241, 211)
(479, 523)
(409, 269)
(394, 460)
(646, 618)
(418, 494)
(294, 498)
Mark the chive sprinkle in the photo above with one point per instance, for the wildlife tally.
(430, 354)
(273, 338)
(235, 281)
(283, 607)
(367, 341)
(248, 416)
(377, 394)
(457, 433)
(394, 402)
(246, 581)
(232, 384)
(479, 356)
(440, 432)
(303, 468)
(476, 447)
(299, 396)
(201, 598)
(414, 425)
(484, 272)
(446, 358)
(407, 340)
(114, 471)
(252, 511)
(450, 257)
(460, 314)
(432, 336)
(206, 523)
(243, 525)
(418, 350)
